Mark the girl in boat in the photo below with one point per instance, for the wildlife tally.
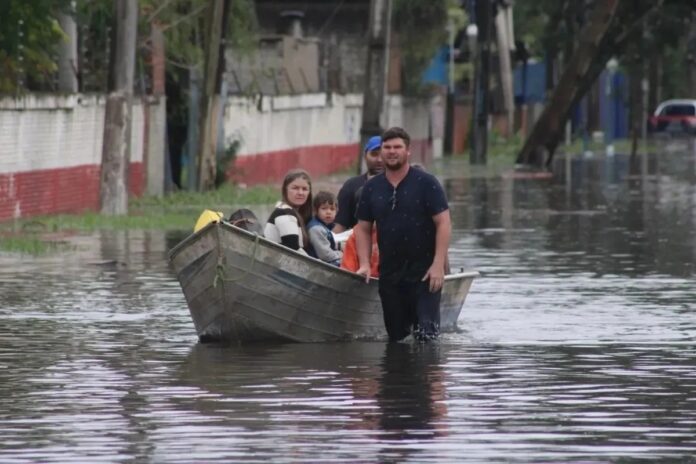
(286, 224)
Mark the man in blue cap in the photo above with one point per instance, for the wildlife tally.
(347, 201)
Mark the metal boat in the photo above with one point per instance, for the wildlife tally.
(241, 287)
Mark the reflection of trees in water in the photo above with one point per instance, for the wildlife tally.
(81, 345)
(470, 205)
(634, 217)
(620, 216)
(585, 392)
(410, 396)
(393, 393)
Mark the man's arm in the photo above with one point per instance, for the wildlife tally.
(363, 241)
(322, 246)
(443, 231)
(346, 208)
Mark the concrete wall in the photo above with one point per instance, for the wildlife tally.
(317, 132)
(50, 147)
(50, 153)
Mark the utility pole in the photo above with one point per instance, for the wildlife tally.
(691, 58)
(505, 42)
(375, 72)
(157, 58)
(67, 52)
(214, 64)
(113, 195)
(156, 110)
(451, 94)
(479, 139)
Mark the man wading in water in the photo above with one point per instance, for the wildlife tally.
(413, 222)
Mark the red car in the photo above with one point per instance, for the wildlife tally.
(674, 116)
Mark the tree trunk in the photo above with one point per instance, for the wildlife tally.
(503, 42)
(551, 45)
(691, 58)
(375, 72)
(654, 79)
(480, 107)
(207, 148)
(604, 36)
(635, 105)
(593, 95)
(113, 195)
(548, 129)
(636, 110)
(157, 59)
(154, 157)
(67, 55)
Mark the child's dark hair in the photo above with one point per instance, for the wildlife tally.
(323, 197)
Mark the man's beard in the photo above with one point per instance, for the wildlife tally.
(394, 167)
(373, 171)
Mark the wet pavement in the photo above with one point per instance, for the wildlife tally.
(577, 343)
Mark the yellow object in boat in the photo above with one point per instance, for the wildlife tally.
(206, 217)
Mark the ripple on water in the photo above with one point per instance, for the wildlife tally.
(576, 346)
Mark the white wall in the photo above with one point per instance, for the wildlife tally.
(268, 124)
(49, 132)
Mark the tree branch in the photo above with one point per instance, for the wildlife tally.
(185, 18)
(624, 35)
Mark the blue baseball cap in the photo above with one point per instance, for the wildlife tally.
(373, 144)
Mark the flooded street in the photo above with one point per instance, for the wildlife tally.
(577, 343)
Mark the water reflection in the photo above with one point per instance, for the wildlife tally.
(411, 397)
(577, 344)
(611, 222)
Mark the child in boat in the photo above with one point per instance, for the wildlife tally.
(319, 228)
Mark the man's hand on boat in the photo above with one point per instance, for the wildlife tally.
(364, 271)
(435, 276)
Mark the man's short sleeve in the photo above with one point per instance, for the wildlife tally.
(364, 211)
(435, 198)
(346, 202)
(345, 207)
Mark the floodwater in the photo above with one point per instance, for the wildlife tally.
(577, 344)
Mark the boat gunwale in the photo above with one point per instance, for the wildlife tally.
(285, 250)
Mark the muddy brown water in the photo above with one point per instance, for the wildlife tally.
(577, 344)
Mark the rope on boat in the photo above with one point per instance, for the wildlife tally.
(220, 275)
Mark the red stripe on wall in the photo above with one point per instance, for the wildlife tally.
(52, 191)
(136, 179)
(271, 167)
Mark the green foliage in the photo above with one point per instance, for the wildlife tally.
(533, 20)
(227, 194)
(242, 28)
(29, 34)
(183, 23)
(94, 20)
(28, 244)
(456, 14)
(225, 161)
(667, 33)
(177, 211)
(542, 24)
(420, 27)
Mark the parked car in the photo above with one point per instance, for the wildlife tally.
(674, 116)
